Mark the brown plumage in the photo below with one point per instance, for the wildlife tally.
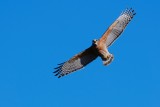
(98, 47)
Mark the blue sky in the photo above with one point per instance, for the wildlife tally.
(35, 35)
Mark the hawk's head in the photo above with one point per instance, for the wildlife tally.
(94, 42)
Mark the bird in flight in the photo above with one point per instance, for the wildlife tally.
(99, 48)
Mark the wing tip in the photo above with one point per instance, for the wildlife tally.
(58, 70)
(129, 12)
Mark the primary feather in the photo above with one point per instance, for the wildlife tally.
(121, 23)
(77, 62)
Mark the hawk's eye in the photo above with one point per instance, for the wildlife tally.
(94, 41)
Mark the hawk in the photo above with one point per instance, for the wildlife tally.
(99, 48)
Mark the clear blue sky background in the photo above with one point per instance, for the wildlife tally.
(35, 35)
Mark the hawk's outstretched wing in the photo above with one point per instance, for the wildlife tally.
(77, 62)
(114, 31)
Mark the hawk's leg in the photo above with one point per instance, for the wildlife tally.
(108, 59)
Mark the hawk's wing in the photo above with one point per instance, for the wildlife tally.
(114, 31)
(76, 62)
